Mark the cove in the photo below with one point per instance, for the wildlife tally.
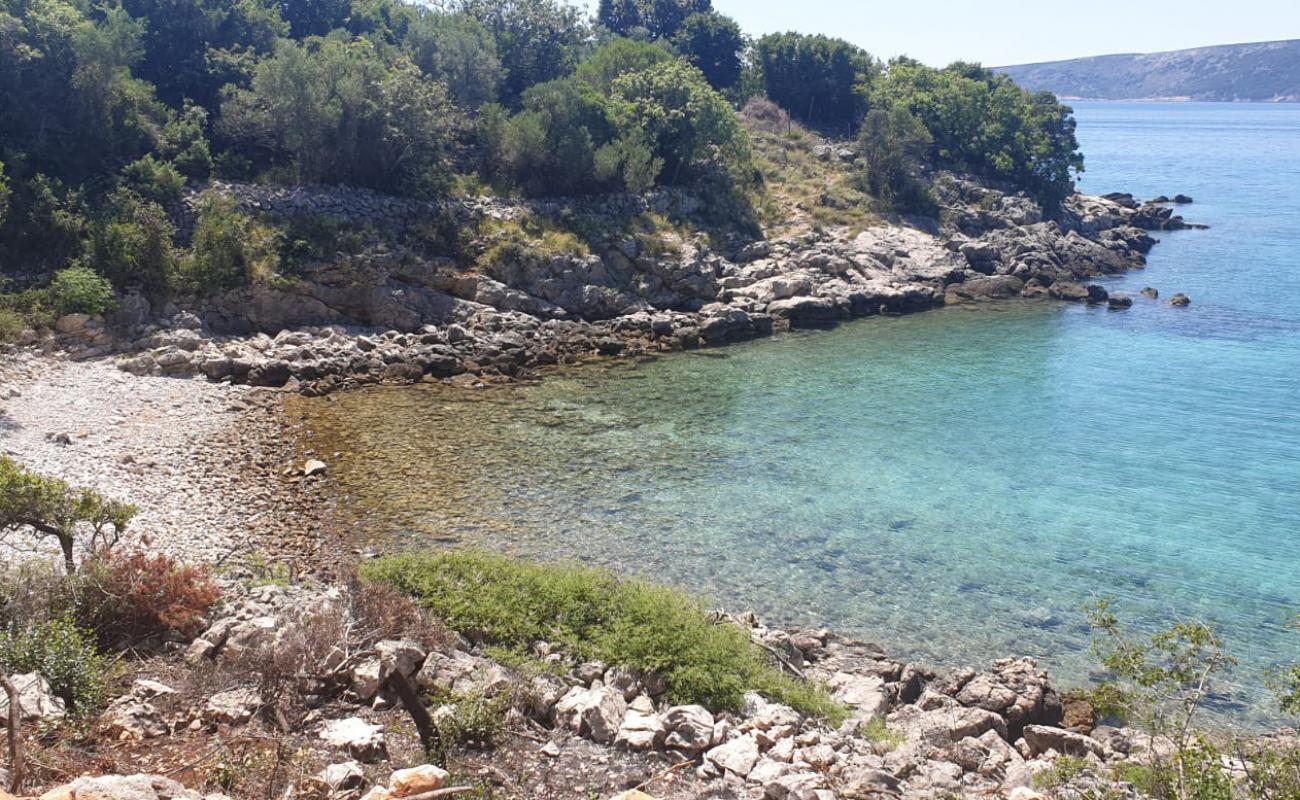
(954, 484)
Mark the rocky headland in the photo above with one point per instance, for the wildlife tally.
(391, 315)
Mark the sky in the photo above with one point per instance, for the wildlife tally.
(1005, 32)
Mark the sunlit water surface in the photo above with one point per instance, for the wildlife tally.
(954, 484)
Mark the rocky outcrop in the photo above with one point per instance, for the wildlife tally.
(389, 315)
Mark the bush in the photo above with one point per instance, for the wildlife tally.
(594, 615)
(81, 290)
(127, 598)
(65, 656)
(11, 325)
(132, 246)
(230, 250)
(154, 180)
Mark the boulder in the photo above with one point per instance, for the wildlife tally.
(737, 756)
(865, 694)
(124, 787)
(234, 707)
(1039, 739)
(38, 702)
(1119, 301)
(1151, 293)
(1180, 300)
(946, 724)
(595, 713)
(362, 740)
(641, 729)
(417, 780)
(1017, 691)
(690, 728)
(343, 777)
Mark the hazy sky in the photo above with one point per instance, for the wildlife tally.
(999, 32)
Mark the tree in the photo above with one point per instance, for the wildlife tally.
(619, 57)
(49, 507)
(894, 143)
(550, 146)
(457, 50)
(985, 124)
(662, 18)
(314, 17)
(537, 40)
(688, 125)
(818, 80)
(713, 43)
(132, 243)
(334, 111)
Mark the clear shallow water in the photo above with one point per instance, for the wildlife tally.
(954, 484)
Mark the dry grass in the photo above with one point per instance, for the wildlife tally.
(804, 192)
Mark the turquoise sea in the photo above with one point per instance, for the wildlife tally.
(957, 484)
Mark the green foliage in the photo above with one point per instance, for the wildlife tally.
(11, 325)
(65, 656)
(81, 290)
(876, 731)
(1285, 681)
(713, 44)
(154, 180)
(894, 144)
(526, 240)
(49, 507)
(1062, 771)
(618, 57)
(661, 19)
(474, 719)
(538, 39)
(820, 81)
(984, 123)
(458, 51)
(229, 250)
(132, 244)
(333, 111)
(550, 146)
(594, 615)
(688, 125)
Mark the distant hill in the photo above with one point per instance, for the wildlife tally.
(1267, 72)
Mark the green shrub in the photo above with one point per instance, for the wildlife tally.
(154, 180)
(474, 719)
(81, 290)
(132, 245)
(595, 615)
(229, 250)
(65, 656)
(876, 731)
(11, 325)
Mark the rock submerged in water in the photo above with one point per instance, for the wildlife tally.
(1151, 292)
(1180, 300)
(1119, 301)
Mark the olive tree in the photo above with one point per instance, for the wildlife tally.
(49, 507)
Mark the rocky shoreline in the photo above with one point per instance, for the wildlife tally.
(390, 316)
(188, 423)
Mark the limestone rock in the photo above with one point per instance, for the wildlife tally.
(234, 707)
(737, 756)
(417, 780)
(364, 741)
(37, 700)
(690, 728)
(595, 713)
(1040, 739)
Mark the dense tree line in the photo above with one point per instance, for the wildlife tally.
(107, 109)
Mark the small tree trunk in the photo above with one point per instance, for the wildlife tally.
(430, 738)
(69, 563)
(17, 758)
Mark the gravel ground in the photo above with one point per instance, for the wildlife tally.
(209, 466)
